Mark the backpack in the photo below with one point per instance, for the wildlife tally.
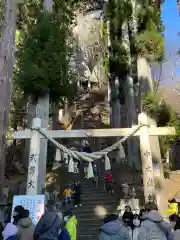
(64, 235)
(14, 237)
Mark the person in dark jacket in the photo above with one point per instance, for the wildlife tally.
(7, 214)
(113, 229)
(48, 227)
(128, 209)
(173, 220)
(128, 221)
(77, 194)
(142, 213)
(1, 230)
(176, 232)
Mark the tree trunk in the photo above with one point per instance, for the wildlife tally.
(55, 116)
(7, 47)
(115, 104)
(133, 153)
(144, 76)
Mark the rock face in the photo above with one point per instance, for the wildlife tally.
(91, 109)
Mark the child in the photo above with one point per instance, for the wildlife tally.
(68, 194)
(71, 225)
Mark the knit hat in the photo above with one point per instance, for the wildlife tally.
(18, 210)
(26, 213)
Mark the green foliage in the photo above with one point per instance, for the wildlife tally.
(148, 16)
(150, 44)
(155, 106)
(118, 60)
(27, 14)
(147, 41)
(1, 13)
(45, 58)
(150, 40)
(149, 25)
(117, 12)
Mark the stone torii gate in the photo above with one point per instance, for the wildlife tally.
(144, 131)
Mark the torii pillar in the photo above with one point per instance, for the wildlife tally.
(146, 159)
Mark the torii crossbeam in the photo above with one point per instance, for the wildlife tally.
(144, 132)
(109, 132)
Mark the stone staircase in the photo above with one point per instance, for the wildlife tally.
(89, 221)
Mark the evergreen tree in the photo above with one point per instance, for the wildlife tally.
(45, 56)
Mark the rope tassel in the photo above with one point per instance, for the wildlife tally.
(90, 173)
(121, 152)
(71, 165)
(66, 158)
(58, 155)
(107, 163)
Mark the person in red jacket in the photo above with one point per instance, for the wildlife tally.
(109, 182)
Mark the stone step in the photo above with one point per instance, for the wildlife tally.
(91, 218)
(101, 182)
(90, 191)
(93, 203)
(89, 230)
(87, 237)
(95, 191)
(89, 224)
(96, 197)
(90, 188)
(90, 212)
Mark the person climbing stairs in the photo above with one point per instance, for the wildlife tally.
(96, 203)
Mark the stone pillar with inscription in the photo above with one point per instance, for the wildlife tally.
(34, 156)
(146, 158)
